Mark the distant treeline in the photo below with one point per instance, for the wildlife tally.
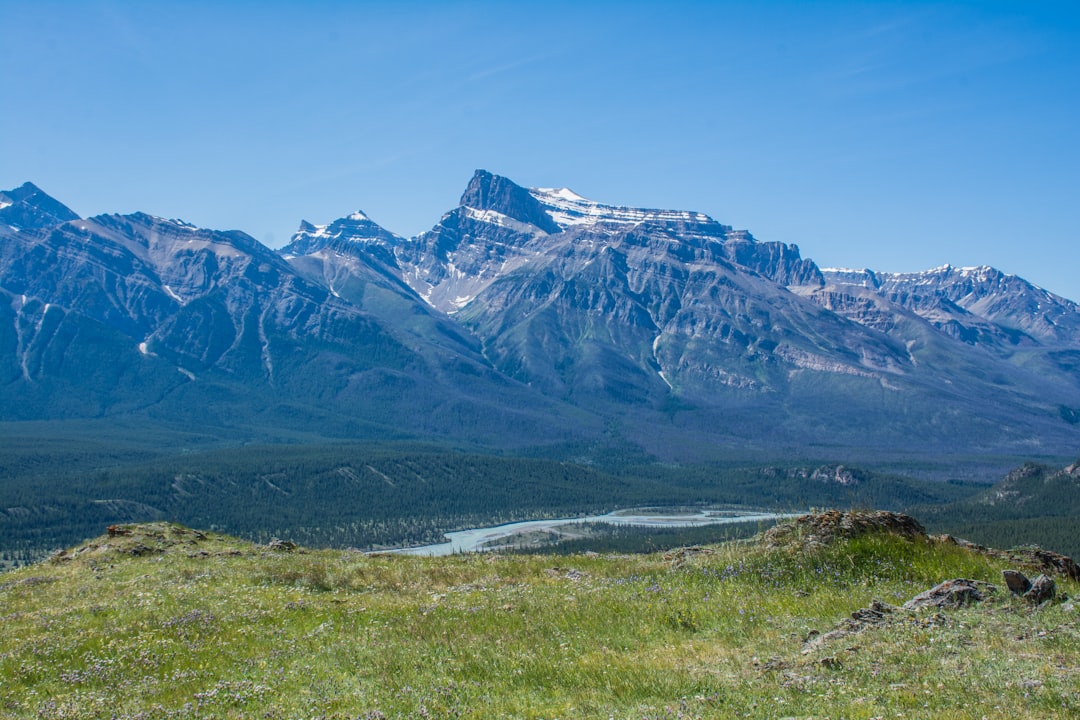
(369, 495)
(605, 538)
(1035, 504)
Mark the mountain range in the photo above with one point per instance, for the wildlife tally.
(525, 318)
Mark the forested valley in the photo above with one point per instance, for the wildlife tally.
(374, 495)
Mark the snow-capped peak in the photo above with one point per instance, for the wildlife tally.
(182, 224)
(356, 229)
(564, 193)
(568, 209)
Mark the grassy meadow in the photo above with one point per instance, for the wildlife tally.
(167, 622)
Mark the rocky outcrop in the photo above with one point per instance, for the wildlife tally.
(137, 539)
(828, 474)
(1045, 561)
(951, 594)
(492, 192)
(877, 615)
(777, 261)
(1036, 592)
(283, 546)
(824, 528)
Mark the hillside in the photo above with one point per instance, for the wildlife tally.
(158, 621)
(1033, 503)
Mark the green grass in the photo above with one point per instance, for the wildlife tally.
(213, 627)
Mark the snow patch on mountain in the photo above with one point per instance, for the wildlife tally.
(173, 294)
(494, 217)
(461, 301)
(182, 224)
(568, 209)
(319, 231)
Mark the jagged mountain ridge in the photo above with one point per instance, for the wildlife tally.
(978, 305)
(679, 329)
(499, 228)
(121, 312)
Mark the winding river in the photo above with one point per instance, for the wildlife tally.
(481, 539)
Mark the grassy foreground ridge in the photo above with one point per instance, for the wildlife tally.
(159, 621)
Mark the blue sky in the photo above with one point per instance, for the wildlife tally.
(896, 136)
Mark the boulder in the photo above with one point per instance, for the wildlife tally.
(1016, 581)
(1042, 589)
(281, 545)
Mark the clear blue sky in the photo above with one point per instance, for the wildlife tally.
(896, 136)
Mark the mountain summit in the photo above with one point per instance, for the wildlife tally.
(29, 208)
(492, 193)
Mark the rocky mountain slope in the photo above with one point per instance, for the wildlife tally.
(542, 313)
(119, 313)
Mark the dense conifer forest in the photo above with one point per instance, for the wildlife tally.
(56, 492)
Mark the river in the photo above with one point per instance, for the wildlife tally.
(481, 539)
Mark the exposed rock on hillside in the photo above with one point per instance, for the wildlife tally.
(878, 614)
(951, 594)
(824, 528)
(141, 539)
(1044, 561)
(1036, 592)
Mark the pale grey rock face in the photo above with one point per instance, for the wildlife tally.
(779, 262)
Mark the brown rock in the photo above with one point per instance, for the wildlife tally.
(1045, 561)
(878, 614)
(1052, 562)
(1042, 589)
(951, 594)
(281, 545)
(1016, 581)
(824, 528)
